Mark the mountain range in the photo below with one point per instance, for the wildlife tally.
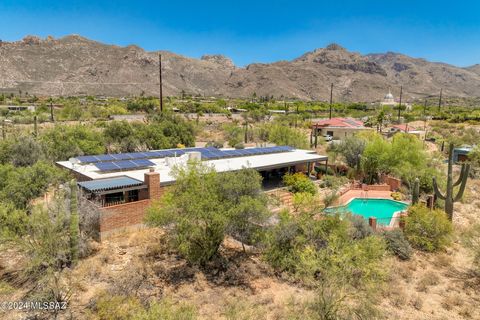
(74, 65)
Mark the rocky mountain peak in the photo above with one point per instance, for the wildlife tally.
(218, 59)
(86, 66)
(334, 47)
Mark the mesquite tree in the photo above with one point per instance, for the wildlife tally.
(449, 197)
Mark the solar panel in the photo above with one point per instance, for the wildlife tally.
(143, 163)
(87, 159)
(104, 157)
(122, 156)
(123, 165)
(208, 153)
(106, 166)
(126, 164)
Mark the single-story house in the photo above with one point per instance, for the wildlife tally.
(123, 185)
(338, 128)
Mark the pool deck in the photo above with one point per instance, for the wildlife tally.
(372, 194)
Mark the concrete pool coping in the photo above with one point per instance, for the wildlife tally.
(395, 215)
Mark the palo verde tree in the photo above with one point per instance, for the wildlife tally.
(204, 206)
(449, 197)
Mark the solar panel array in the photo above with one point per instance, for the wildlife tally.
(124, 165)
(124, 161)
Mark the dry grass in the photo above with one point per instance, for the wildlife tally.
(429, 279)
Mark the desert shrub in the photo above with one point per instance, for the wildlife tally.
(20, 185)
(330, 198)
(396, 196)
(322, 170)
(427, 230)
(322, 253)
(25, 151)
(216, 144)
(239, 145)
(333, 182)
(13, 222)
(471, 239)
(397, 244)
(360, 228)
(203, 206)
(233, 134)
(299, 182)
(304, 201)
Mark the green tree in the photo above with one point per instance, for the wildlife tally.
(285, 136)
(63, 142)
(351, 148)
(204, 206)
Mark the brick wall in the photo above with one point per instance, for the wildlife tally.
(130, 215)
(394, 183)
(122, 216)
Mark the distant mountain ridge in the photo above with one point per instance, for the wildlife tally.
(74, 65)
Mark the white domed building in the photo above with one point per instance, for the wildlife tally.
(388, 100)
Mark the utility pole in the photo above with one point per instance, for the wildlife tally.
(424, 121)
(160, 80)
(331, 100)
(440, 99)
(400, 103)
(425, 115)
(51, 112)
(35, 126)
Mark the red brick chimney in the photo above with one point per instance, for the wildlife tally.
(152, 180)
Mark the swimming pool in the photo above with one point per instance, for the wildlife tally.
(382, 209)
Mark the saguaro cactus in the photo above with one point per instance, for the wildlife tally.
(449, 198)
(416, 191)
(74, 222)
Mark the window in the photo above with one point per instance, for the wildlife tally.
(114, 198)
(132, 195)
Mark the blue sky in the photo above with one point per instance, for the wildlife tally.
(258, 31)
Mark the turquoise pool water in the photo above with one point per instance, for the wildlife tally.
(382, 209)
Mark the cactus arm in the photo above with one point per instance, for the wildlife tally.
(437, 191)
(464, 183)
(460, 178)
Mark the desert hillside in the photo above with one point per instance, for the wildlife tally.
(74, 65)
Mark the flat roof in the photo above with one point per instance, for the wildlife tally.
(164, 166)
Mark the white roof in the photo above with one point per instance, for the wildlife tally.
(258, 162)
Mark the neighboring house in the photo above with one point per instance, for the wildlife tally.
(338, 128)
(122, 186)
(20, 108)
(405, 128)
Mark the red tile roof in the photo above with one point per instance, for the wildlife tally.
(339, 123)
(403, 127)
